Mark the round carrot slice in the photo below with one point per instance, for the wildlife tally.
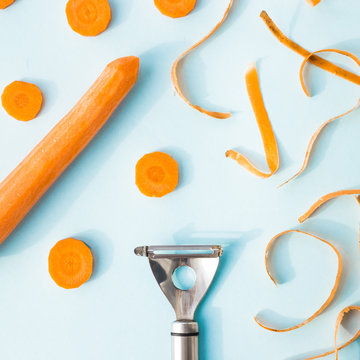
(157, 174)
(88, 17)
(175, 8)
(70, 263)
(5, 3)
(22, 100)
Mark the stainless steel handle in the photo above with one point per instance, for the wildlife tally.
(184, 335)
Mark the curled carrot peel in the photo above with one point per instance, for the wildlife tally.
(326, 123)
(314, 59)
(337, 325)
(313, 2)
(175, 79)
(333, 291)
(307, 58)
(265, 128)
(324, 199)
(313, 140)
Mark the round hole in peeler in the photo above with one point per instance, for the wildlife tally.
(184, 278)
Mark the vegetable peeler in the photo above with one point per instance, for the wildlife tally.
(164, 261)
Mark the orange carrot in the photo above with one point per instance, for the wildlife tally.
(156, 174)
(88, 17)
(5, 3)
(266, 131)
(333, 291)
(324, 199)
(337, 325)
(22, 100)
(313, 2)
(175, 8)
(38, 171)
(70, 263)
(315, 60)
(174, 75)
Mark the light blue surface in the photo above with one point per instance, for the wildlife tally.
(121, 313)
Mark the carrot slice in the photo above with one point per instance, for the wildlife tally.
(5, 3)
(174, 74)
(324, 199)
(88, 17)
(264, 124)
(156, 174)
(333, 291)
(313, 2)
(175, 8)
(22, 100)
(70, 263)
(314, 59)
(337, 325)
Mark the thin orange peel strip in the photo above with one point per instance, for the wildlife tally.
(333, 291)
(314, 59)
(265, 128)
(323, 125)
(325, 199)
(337, 325)
(313, 2)
(174, 74)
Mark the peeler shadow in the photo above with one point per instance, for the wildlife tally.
(233, 244)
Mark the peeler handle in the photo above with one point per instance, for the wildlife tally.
(185, 335)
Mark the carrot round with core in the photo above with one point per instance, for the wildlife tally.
(175, 8)
(156, 174)
(88, 17)
(22, 100)
(70, 263)
(5, 3)
(314, 59)
(46, 162)
(324, 199)
(333, 291)
(174, 71)
(264, 124)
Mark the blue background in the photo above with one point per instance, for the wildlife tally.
(121, 313)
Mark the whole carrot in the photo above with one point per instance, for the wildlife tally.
(44, 164)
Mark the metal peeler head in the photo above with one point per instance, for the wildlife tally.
(164, 260)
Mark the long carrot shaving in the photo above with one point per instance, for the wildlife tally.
(314, 59)
(322, 126)
(174, 75)
(333, 291)
(265, 128)
(342, 52)
(324, 199)
(337, 325)
(313, 2)
(313, 140)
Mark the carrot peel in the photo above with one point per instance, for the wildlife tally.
(265, 128)
(337, 325)
(174, 72)
(313, 2)
(314, 59)
(333, 291)
(325, 199)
